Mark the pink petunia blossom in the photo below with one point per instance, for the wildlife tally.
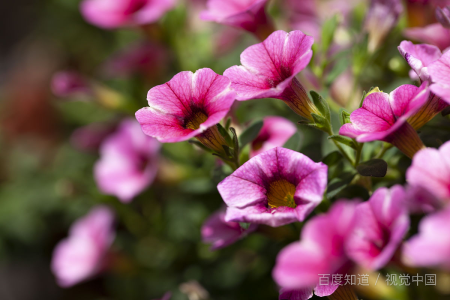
(70, 84)
(276, 187)
(380, 225)
(381, 17)
(81, 255)
(274, 133)
(321, 251)
(430, 170)
(268, 71)
(189, 105)
(221, 233)
(111, 14)
(128, 162)
(440, 73)
(248, 15)
(384, 117)
(433, 34)
(431, 246)
(90, 137)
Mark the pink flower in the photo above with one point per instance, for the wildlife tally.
(433, 34)
(380, 225)
(443, 16)
(274, 133)
(431, 246)
(111, 14)
(430, 170)
(384, 117)
(276, 187)
(189, 105)
(221, 233)
(128, 162)
(248, 15)
(90, 137)
(81, 255)
(70, 84)
(321, 250)
(381, 17)
(440, 73)
(268, 71)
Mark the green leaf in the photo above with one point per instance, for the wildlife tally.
(362, 99)
(223, 132)
(321, 104)
(200, 145)
(250, 133)
(235, 143)
(294, 142)
(332, 158)
(373, 168)
(338, 184)
(227, 150)
(244, 226)
(227, 124)
(345, 117)
(343, 140)
(328, 29)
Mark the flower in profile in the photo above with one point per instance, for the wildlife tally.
(433, 34)
(380, 225)
(70, 84)
(128, 162)
(248, 15)
(381, 17)
(321, 251)
(189, 105)
(274, 133)
(111, 14)
(431, 246)
(443, 16)
(268, 71)
(274, 188)
(221, 233)
(81, 255)
(440, 73)
(430, 170)
(384, 117)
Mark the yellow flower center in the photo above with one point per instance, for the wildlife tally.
(281, 193)
(195, 120)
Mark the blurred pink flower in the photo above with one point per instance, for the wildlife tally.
(81, 255)
(440, 73)
(167, 296)
(384, 117)
(221, 233)
(431, 246)
(430, 170)
(189, 105)
(380, 225)
(443, 16)
(70, 84)
(381, 17)
(268, 71)
(433, 34)
(248, 15)
(321, 251)
(111, 14)
(90, 137)
(420, 200)
(128, 162)
(275, 132)
(274, 188)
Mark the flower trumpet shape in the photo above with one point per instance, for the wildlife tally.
(268, 71)
(221, 233)
(276, 187)
(384, 117)
(111, 14)
(275, 132)
(189, 105)
(248, 15)
(81, 255)
(128, 162)
(380, 225)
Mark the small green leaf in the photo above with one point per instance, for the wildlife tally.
(294, 142)
(362, 99)
(343, 140)
(227, 124)
(250, 133)
(321, 104)
(332, 158)
(244, 226)
(328, 29)
(227, 150)
(338, 184)
(200, 145)
(235, 143)
(373, 168)
(223, 132)
(345, 117)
